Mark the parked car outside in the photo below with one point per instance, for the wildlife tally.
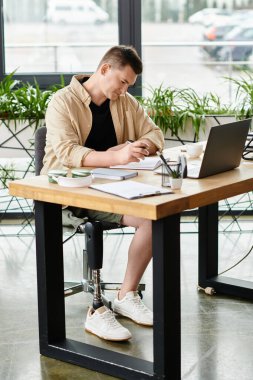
(237, 53)
(76, 11)
(209, 16)
(242, 15)
(217, 32)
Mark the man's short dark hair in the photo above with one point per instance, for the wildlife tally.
(121, 55)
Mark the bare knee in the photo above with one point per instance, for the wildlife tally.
(146, 225)
(138, 223)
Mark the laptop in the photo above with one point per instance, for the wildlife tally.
(224, 149)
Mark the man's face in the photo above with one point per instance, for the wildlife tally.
(115, 81)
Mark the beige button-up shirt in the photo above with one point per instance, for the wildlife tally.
(69, 121)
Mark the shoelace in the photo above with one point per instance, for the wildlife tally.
(139, 305)
(110, 319)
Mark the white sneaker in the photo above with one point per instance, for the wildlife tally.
(103, 323)
(131, 306)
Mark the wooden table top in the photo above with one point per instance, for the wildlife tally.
(194, 193)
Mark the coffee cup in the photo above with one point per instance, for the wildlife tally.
(194, 150)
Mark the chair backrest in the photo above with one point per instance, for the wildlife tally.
(39, 146)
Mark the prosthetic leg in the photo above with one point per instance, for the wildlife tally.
(93, 263)
(94, 247)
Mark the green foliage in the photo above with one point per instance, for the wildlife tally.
(176, 173)
(244, 94)
(170, 108)
(7, 174)
(196, 108)
(7, 87)
(161, 106)
(27, 101)
(8, 84)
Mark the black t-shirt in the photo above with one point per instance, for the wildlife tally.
(102, 135)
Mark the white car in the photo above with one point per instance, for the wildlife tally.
(76, 11)
(209, 16)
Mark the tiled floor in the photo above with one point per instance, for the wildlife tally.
(217, 331)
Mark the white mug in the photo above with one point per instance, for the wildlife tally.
(194, 150)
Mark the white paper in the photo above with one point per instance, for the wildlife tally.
(148, 163)
(130, 189)
(109, 173)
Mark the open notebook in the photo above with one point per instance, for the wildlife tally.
(148, 163)
(130, 189)
(108, 173)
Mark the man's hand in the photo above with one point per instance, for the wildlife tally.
(133, 152)
(151, 146)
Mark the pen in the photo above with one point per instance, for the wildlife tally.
(168, 168)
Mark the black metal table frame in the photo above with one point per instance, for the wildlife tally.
(166, 295)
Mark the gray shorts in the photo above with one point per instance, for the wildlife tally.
(96, 215)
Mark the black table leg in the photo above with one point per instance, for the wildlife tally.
(166, 298)
(48, 223)
(208, 242)
(208, 258)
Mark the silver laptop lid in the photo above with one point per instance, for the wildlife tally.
(224, 147)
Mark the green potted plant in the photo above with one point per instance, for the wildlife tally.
(182, 114)
(24, 101)
(176, 173)
(176, 179)
(197, 109)
(161, 105)
(172, 176)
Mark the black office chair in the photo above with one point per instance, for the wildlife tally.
(93, 243)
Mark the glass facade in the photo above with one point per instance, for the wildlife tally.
(187, 43)
(58, 36)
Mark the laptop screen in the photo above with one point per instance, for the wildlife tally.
(224, 147)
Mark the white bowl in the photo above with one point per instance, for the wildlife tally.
(74, 182)
(53, 174)
(77, 173)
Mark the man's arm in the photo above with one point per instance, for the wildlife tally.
(118, 147)
(126, 153)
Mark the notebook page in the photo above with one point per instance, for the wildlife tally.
(148, 163)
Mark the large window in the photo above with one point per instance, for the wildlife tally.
(179, 43)
(46, 38)
(55, 36)
(177, 40)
